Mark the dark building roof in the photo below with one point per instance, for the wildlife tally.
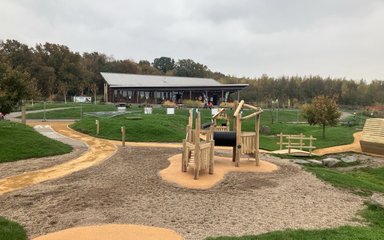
(123, 80)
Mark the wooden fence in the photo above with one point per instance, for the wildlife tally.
(300, 142)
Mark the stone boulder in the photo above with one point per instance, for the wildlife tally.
(330, 162)
(349, 159)
(265, 130)
(378, 199)
(300, 161)
(313, 161)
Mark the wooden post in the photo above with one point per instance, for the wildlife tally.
(310, 145)
(190, 119)
(257, 140)
(211, 160)
(301, 141)
(97, 127)
(281, 140)
(23, 114)
(197, 146)
(289, 144)
(123, 136)
(185, 156)
(234, 154)
(236, 103)
(238, 139)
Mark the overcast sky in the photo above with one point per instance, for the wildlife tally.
(337, 38)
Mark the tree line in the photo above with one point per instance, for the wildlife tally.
(48, 71)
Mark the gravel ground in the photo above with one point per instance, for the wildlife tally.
(21, 166)
(127, 189)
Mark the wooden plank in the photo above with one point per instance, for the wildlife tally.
(238, 109)
(218, 113)
(249, 116)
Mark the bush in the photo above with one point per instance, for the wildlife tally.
(169, 104)
(193, 104)
(227, 105)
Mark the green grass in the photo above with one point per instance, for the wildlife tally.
(171, 128)
(151, 128)
(10, 230)
(74, 111)
(373, 215)
(18, 141)
(362, 180)
(50, 105)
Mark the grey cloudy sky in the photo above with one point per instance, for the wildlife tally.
(337, 38)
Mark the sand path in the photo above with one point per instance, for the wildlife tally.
(98, 151)
(353, 147)
(113, 231)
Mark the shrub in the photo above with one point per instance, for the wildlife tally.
(227, 105)
(169, 104)
(193, 104)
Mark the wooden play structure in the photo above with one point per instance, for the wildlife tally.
(372, 139)
(198, 145)
(246, 142)
(197, 154)
(296, 142)
(221, 114)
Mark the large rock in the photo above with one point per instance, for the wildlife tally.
(317, 162)
(349, 159)
(330, 162)
(300, 161)
(378, 199)
(265, 130)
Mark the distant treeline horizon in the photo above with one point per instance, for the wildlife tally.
(52, 71)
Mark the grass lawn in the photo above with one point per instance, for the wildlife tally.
(160, 127)
(373, 215)
(18, 141)
(74, 111)
(11, 231)
(363, 181)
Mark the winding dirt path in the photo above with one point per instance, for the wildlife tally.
(98, 151)
(353, 147)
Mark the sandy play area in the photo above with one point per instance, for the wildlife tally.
(127, 189)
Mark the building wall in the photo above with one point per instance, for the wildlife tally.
(158, 97)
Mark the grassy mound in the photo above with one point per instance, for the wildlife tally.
(18, 141)
(11, 230)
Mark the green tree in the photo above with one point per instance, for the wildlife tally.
(189, 68)
(146, 68)
(322, 111)
(164, 64)
(67, 65)
(13, 87)
(94, 63)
